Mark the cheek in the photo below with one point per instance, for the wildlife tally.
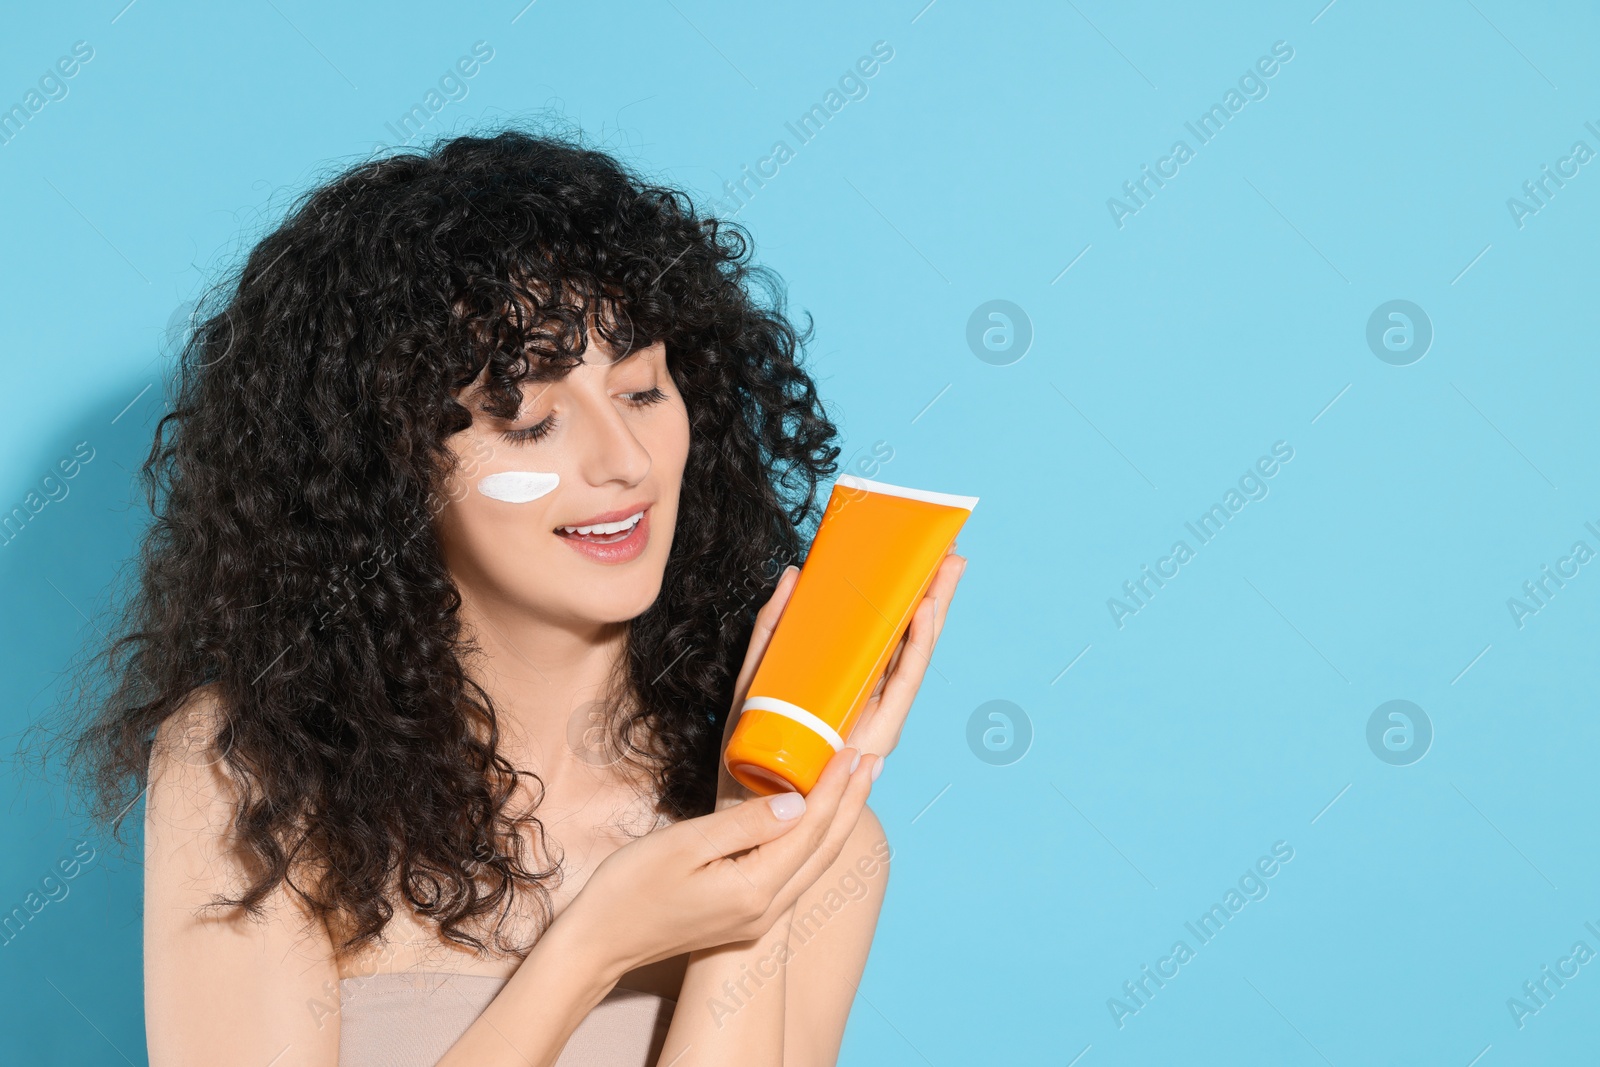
(676, 444)
(497, 542)
(475, 517)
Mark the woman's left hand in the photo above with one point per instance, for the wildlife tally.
(877, 729)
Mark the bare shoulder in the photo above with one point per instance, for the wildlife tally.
(870, 836)
(222, 985)
(184, 738)
(860, 872)
(193, 848)
(192, 851)
(191, 790)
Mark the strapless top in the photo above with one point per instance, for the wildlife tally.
(410, 1019)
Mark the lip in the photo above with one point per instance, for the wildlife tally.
(623, 551)
(609, 516)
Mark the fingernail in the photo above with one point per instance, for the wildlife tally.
(855, 761)
(963, 569)
(877, 769)
(787, 805)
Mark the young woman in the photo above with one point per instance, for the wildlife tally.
(473, 482)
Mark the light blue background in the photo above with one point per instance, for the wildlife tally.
(1228, 314)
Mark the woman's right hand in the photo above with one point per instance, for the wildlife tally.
(719, 878)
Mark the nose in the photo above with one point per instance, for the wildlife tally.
(610, 450)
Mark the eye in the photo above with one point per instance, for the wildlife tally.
(532, 433)
(653, 395)
(542, 428)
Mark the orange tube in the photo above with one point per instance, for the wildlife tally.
(874, 556)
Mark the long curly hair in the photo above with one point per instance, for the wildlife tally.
(291, 565)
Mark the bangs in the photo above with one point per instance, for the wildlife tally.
(538, 331)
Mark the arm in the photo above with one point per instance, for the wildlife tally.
(731, 1007)
(829, 938)
(716, 887)
(797, 1016)
(529, 1021)
(222, 988)
(836, 918)
(228, 989)
(783, 998)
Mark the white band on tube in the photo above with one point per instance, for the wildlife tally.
(798, 714)
(949, 500)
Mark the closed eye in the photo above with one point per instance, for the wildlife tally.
(542, 428)
(533, 433)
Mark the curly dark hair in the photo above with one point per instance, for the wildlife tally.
(291, 565)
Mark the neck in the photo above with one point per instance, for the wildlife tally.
(540, 673)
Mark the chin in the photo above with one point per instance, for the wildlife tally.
(622, 599)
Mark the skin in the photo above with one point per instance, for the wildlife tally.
(685, 910)
(798, 1016)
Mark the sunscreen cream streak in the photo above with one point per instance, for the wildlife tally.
(518, 487)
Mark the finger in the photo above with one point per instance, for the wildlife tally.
(894, 662)
(744, 825)
(944, 589)
(879, 726)
(893, 666)
(845, 818)
(766, 622)
(939, 592)
(775, 862)
(919, 636)
(771, 611)
(902, 686)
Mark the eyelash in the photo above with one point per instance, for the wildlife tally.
(645, 398)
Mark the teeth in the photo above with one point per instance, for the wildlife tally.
(603, 528)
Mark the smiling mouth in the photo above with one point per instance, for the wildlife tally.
(602, 533)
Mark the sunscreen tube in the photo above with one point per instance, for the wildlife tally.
(876, 551)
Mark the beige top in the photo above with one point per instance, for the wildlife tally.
(411, 1018)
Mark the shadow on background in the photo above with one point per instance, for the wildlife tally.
(70, 917)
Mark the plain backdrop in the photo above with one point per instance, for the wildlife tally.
(1143, 362)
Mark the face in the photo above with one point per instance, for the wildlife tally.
(566, 512)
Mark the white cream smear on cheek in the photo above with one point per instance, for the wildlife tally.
(518, 487)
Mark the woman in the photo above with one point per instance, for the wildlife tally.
(470, 489)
